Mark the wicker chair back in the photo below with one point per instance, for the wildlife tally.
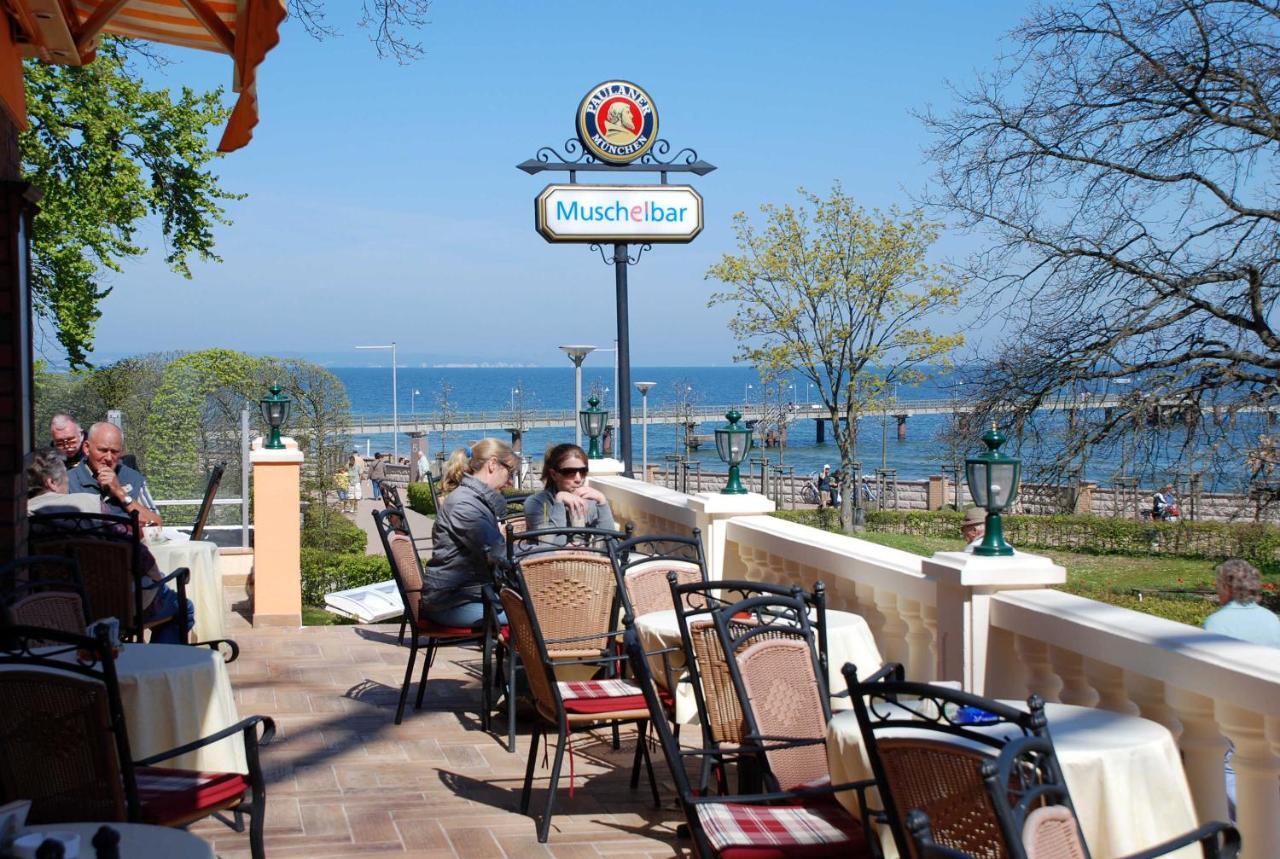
(529, 644)
(647, 586)
(108, 550)
(61, 610)
(398, 544)
(573, 594)
(942, 780)
(783, 691)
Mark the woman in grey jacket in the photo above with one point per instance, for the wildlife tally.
(567, 501)
(466, 537)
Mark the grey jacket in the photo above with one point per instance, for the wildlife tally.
(542, 510)
(467, 543)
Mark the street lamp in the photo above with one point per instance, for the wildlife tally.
(395, 408)
(275, 411)
(515, 392)
(643, 388)
(746, 393)
(591, 421)
(577, 354)
(732, 443)
(413, 404)
(993, 483)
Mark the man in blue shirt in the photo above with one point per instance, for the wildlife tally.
(120, 487)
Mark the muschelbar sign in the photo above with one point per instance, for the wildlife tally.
(618, 213)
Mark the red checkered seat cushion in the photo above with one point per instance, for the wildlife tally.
(169, 795)
(605, 696)
(426, 627)
(741, 831)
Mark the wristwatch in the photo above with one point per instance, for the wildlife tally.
(128, 499)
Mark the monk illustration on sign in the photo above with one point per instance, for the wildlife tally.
(619, 123)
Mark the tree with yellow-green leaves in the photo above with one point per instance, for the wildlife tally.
(842, 297)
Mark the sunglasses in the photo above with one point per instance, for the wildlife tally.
(570, 472)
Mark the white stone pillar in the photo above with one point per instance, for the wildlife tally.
(712, 512)
(966, 584)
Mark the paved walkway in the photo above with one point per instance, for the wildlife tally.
(420, 525)
(343, 780)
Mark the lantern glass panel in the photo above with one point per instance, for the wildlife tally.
(978, 483)
(732, 446)
(1003, 476)
(593, 422)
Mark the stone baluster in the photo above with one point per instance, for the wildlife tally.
(929, 613)
(1041, 678)
(1069, 666)
(893, 634)
(871, 613)
(1148, 694)
(1257, 769)
(1109, 680)
(1202, 750)
(921, 662)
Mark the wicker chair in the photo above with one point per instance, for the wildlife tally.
(46, 591)
(795, 824)
(67, 746)
(642, 564)
(780, 689)
(568, 706)
(577, 594)
(108, 550)
(926, 745)
(406, 568)
(1038, 820)
(705, 667)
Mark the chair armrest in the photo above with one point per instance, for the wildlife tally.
(248, 727)
(216, 646)
(798, 793)
(1228, 847)
(182, 575)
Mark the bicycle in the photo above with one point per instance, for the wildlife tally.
(809, 490)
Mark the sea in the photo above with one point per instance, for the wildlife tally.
(478, 389)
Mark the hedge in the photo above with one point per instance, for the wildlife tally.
(338, 535)
(1255, 542)
(324, 572)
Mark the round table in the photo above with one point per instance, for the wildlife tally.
(205, 587)
(849, 639)
(136, 839)
(1124, 773)
(173, 694)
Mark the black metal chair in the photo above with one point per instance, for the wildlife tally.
(67, 745)
(804, 823)
(46, 591)
(206, 503)
(108, 550)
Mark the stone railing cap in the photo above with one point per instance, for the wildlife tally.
(965, 569)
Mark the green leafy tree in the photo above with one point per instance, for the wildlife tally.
(107, 152)
(840, 296)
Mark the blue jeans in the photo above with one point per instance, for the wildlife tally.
(469, 614)
(165, 604)
(376, 494)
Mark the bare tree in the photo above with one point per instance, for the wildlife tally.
(1122, 162)
(446, 414)
(391, 24)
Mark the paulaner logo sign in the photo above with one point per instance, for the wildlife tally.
(618, 213)
(617, 122)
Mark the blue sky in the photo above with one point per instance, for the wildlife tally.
(383, 201)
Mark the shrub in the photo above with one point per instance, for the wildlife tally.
(419, 499)
(324, 572)
(333, 533)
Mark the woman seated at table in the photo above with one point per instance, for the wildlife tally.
(466, 536)
(47, 495)
(566, 500)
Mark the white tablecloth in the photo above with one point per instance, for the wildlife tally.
(849, 639)
(137, 839)
(173, 694)
(1124, 774)
(205, 588)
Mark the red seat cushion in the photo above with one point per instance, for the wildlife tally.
(584, 697)
(742, 831)
(169, 794)
(426, 627)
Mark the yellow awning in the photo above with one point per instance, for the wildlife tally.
(67, 32)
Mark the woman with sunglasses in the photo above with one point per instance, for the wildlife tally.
(466, 538)
(567, 501)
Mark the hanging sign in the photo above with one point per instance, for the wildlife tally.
(618, 213)
(617, 122)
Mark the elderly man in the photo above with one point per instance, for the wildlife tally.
(119, 486)
(47, 479)
(973, 528)
(66, 438)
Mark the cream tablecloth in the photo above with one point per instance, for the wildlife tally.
(849, 639)
(137, 839)
(205, 588)
(173, 694)
(1124, 774)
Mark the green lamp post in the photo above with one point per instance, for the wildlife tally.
(732, 443)
(275, 411)
(993, 483)
(592, 420)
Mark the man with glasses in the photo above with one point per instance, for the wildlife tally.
(67, 439)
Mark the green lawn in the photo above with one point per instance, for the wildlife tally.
(1108, 578)
(315, 616)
